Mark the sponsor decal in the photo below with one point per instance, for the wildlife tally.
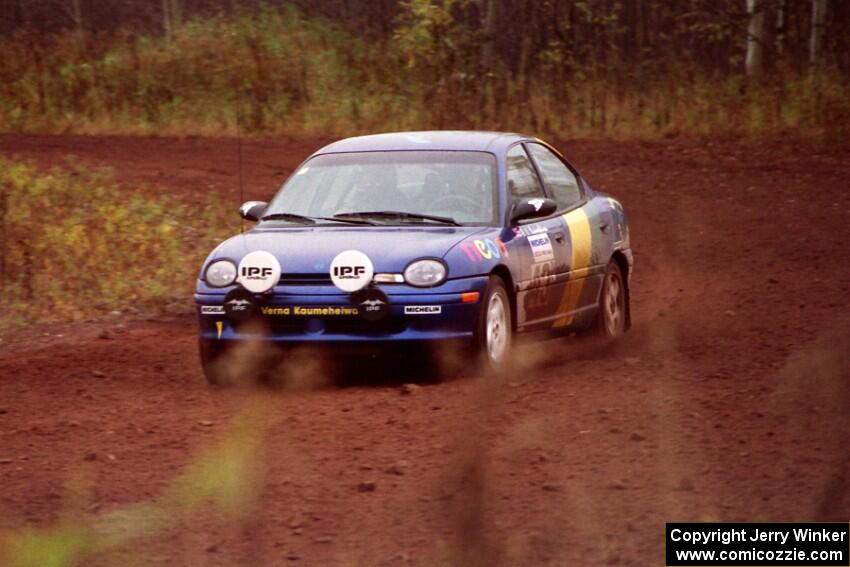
(423, 309)
(259, 271)
(484, 249)
(372, 303)
(530, 229)
(351, 271)
(542, 276)
(543, 273)
(212, 310)
(239, 304)
(309, 311)
(541, 248)
(276, 311)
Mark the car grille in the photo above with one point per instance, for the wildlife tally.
(305, 279)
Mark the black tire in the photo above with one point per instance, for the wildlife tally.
(611, 317)
(493, 330)
(211, 354)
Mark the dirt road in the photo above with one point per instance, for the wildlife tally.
(728, 400)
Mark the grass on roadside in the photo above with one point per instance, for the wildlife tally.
(73, 244)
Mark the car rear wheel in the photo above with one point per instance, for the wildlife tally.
(611, 316)
(494, 329)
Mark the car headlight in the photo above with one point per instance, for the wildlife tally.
(220, 273)
(425, 273)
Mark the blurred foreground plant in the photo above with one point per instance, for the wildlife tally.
(225, 480)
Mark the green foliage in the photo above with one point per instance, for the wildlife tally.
(587, 71)
(72, 244)
(427, 35)
(273, 71)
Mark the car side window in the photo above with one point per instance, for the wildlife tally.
(522, 179)
(559, 180)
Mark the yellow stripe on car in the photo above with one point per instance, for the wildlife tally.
(581, 242)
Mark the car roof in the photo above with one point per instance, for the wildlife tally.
(429, 140)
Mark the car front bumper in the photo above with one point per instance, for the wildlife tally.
(312, 315)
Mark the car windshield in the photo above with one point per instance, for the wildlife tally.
(395, 187)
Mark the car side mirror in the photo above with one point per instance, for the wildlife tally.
(253, 210)
(532, 209)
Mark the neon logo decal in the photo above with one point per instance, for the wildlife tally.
(486, 249)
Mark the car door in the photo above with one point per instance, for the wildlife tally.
(581, 220)
(541, 244)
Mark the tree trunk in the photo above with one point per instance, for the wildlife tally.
(490, 25)
(166, 20)
(780, 28)
(77, 15)
(176, 15)
(816, 37)
(3, 187)
(488, 57)
(755, 38)
(639, 31)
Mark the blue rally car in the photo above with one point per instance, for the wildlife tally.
(419, 239)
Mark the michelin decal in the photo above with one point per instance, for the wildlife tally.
(423, 309)
(541, 248)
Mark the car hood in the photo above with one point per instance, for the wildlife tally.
(311, 249)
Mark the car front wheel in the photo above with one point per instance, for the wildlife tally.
(494, 331)
(211, 362)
